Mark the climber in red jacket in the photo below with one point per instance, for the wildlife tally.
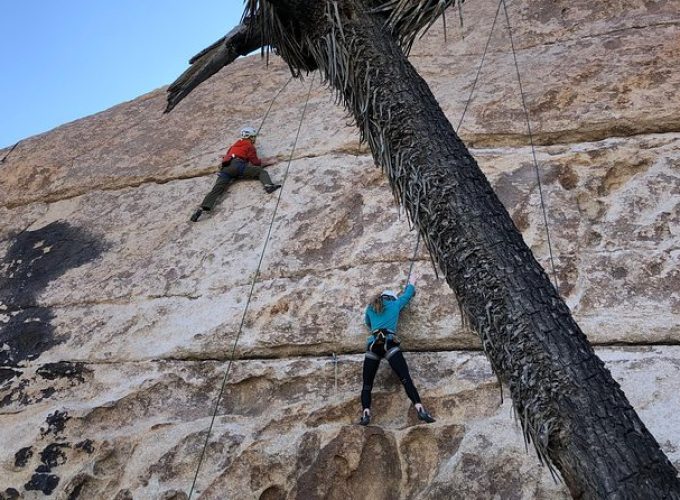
(240, 161)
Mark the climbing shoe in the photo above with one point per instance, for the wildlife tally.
(196, 215)
(365, 418)
(424, 416)
(270, 188)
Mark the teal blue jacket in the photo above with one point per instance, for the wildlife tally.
(389, 318)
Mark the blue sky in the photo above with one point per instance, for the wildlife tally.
(65, 59)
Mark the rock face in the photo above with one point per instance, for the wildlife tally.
(118, 316)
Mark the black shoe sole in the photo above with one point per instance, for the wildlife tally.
(426, 418)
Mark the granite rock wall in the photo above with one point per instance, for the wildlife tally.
(118, 316)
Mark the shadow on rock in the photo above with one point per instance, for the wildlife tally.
(355, 461)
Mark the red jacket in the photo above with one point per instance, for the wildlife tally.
(245, 150)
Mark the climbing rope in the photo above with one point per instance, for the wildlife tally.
(479, 69)
(413, 259)
(250, 295)
(271, 103)
(533, 149)
(335, 370)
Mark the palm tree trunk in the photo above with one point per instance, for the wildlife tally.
(570, 406)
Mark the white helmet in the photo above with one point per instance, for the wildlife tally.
(389, 293)
(248, 132)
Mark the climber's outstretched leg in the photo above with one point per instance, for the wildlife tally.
(371, 364)
(224, 178)
(251, 172)
(398, 364)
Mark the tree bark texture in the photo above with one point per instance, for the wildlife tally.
(570, 407)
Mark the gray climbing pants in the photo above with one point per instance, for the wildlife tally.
(229, 172)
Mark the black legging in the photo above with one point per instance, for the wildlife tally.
(398, 364)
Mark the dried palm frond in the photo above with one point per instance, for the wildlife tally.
(288, 28)
(239, 41)
(280, 23)
(281, 30)
(408, 18)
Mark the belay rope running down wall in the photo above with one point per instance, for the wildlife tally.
(255, 276)
(533, 149)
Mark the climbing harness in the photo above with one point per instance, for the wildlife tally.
(250, 294)
(380, 340)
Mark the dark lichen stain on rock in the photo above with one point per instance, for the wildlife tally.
(28, 334)
(86, 446)
(42, 482)
(55, 423)
(53, 456)
(8, 374)
(9, 494)
(63, 369)
(16, 395)
(22, 456)
(33, 260)
(46, 393)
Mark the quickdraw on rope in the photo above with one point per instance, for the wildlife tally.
(533, 149)
(250, 295)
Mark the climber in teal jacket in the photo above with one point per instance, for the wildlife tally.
(381, 318)
(388, 318)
